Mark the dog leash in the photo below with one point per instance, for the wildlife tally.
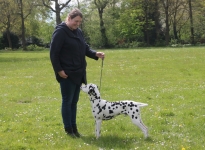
(101, 73)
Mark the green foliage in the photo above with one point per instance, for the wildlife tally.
(1, 43)
(91, 29)
(34, 47)
(170, 80)
(128, 23)
(14, 40)
(131, 27)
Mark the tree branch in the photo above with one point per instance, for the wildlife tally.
(48, 6)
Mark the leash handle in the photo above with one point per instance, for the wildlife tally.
(101, 73)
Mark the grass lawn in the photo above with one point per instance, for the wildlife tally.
(170, 80)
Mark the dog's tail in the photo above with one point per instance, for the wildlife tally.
(142, 104)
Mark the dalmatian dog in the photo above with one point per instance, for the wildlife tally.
(105, 110)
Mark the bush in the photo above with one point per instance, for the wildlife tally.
(1, 43)
(14, 40)
(34, 47)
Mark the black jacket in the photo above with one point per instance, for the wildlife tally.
(67, 52)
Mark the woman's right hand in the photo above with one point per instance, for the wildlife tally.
(62, 74)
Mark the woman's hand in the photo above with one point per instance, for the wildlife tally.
(100, 55)
(62, 74)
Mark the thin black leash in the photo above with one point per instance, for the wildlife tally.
(101, 73)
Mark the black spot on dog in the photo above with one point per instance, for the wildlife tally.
(113, 104)
(107, 117)
(110, 111)
(96, 97)
(104, 107)
(100, 110)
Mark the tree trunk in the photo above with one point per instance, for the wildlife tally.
(175, 30)
(156, 19)
(9, 38)
(102, 29)
(167, 22)
(8, 31)
(191, 23)
(101, 6)
(58, 15)
(146, 23)
(22, 26)
(58, 7)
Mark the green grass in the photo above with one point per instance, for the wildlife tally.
(170, 80)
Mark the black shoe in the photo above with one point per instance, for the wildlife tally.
(77, 134)
(69, 131)
(75, 131)
(71, 135)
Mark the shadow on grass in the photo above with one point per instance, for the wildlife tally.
(116, 142)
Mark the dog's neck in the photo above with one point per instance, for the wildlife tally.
(95, 97)
(92, 98)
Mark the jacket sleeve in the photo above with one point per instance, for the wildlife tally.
(55, 49)
(90, 53)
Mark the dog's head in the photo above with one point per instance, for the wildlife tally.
(92, 90)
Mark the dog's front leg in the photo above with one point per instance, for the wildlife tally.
(97, 128)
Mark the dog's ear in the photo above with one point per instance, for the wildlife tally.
(90, 91)
(90, 88)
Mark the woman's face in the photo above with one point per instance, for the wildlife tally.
(74, 23)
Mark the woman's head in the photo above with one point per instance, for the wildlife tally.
(74, 13)
(74, 19)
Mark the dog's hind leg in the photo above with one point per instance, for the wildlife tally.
(141, 125)
(97, 128)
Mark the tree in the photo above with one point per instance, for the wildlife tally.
(101, 4)
(25, 9)
(13, 39)
(191, 22)
(146, 26)
(178, 17)
(58, 8)
(157, 19)
(46, 30)
(7, 18)
(166, 6)
(131, 21)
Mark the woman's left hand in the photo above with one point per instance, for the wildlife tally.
(100, 55)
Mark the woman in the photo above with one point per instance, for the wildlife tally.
(67, 53)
